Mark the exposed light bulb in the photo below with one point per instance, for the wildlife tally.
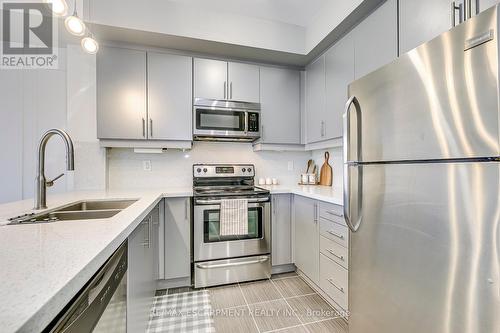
(75, 25)
(59, 7)
(90, 45)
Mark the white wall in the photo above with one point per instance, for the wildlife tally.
(177, 18)
(33, 101)
(331, 15)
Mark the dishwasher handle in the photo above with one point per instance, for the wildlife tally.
(84, 311)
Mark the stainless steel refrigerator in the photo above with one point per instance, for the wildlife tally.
(422, 187)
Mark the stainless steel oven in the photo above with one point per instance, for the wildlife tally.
(226, 120)
(221, 259)
(210, 245)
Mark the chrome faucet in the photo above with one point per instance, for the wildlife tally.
(41, 183)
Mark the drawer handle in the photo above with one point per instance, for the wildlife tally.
(333, 284)
(331, 212)
(335, 255)
(335, 234)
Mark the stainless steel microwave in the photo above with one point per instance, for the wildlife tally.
(215, 120)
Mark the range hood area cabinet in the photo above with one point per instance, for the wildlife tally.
(221, 80)
(143, 99)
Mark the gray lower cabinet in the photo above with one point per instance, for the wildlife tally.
(141, 279)
(177, 238)
(281, 244)
(376, 39)
(170, 98)
(121, 93)
(306, 217)
(280, 105)
(315, 100)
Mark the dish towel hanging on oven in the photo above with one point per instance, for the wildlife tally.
(234, 217)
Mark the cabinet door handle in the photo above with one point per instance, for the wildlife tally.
(262, 134)
(151, 127)
(335, 234)
(460, 9)
(315, 213)
(335, 255)
(333, 284)
(225, 89)
(186, 209)
(231, 90)
(143, 127)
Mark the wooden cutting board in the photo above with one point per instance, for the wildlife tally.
(326, 174)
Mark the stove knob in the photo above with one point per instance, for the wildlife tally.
(243, 170)
(249, 170)
(205, 170)
(198, 170)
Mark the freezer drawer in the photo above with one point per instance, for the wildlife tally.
(218, 272)
(331, 212)
(333, 280)
(334, 251)
(334, 231)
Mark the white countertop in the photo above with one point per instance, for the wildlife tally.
(323, 193)
(44, 265)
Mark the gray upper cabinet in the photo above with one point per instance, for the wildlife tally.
(243, 82)
(177, 238)
(280, 105)
(315, 101)
(376, 39)
(421, 21)
(169, 97)
(339, 67)
(282, 230)
(121, 94)
(220, 80)
(210, 79)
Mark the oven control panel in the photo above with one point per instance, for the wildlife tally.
(223, 170)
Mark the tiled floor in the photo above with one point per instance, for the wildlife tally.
(284, 303)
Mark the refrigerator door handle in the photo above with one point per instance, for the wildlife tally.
(347, 130)
(348, 162)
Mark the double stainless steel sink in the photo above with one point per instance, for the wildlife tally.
(80, 210)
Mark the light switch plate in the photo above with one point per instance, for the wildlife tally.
(146, 165)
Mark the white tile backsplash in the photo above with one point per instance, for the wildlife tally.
(174, 167)
(336, 161)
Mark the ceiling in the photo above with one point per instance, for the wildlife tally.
(297, 12)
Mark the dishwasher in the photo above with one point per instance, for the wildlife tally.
(101, 306)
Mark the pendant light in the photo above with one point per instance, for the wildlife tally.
(74, 24)
(58, 7)
(89, 44)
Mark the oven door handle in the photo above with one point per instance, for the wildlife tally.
(209, 266)
(218, 201)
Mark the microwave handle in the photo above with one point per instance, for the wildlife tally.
(246, 122)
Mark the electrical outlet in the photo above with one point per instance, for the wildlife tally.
(146, 165)
(290, 165)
